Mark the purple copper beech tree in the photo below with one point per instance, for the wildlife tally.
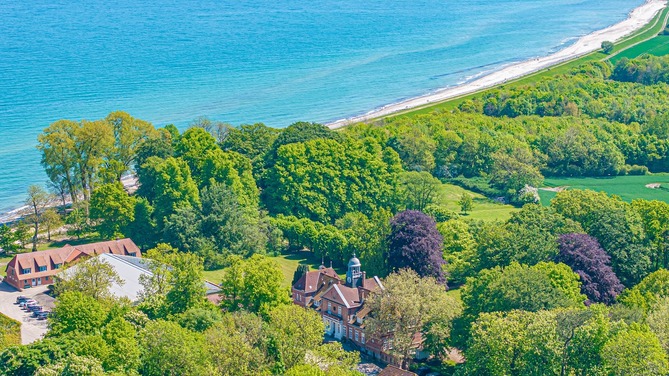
(415, 243)
(588, 259)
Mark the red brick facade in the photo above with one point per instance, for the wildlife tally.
(38, 268)
(341, 305)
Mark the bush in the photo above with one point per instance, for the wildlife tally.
(439, 213)
(607, 47)
(636, 170)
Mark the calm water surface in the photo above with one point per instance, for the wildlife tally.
(250, 61)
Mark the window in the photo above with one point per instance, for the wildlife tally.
(339, 310)
(134, 254)
(329, 307)
(57, 266)
(356, 336)
(41, 268)
(27, 271)
(362, 337)
(350, 332)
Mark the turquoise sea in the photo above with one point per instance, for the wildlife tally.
(271, 61)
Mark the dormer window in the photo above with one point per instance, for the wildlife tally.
(41, 268)
(133, 254)
(57, 266)
(27, 271)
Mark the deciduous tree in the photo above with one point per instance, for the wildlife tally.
(583, 254)
(294, 330)
(418, 189)
(113, 210)
(93, 277)
(254, 285)
(415, 243)
(409, 304)
(37, 201)
(169, 349)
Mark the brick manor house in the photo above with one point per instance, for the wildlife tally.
(342, 304)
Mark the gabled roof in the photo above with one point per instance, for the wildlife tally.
(394, 371)
(314, 280)
(52, 257)
(372, 284)
(343, 295)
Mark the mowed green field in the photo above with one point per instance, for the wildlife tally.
(658, 46)
(627, 187)
(287, 263)
(484, 208)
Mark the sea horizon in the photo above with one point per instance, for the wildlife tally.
(336, 71)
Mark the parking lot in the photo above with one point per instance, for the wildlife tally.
(31, 328)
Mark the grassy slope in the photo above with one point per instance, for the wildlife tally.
(484, 208)
(627, 187)
(658, 46)
(647, 32)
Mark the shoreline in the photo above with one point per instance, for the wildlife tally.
(636, 19)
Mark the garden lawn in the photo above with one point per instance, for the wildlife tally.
(288, 264)
(627, 187)
(484, 208)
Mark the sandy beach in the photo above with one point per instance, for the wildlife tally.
(589, 43)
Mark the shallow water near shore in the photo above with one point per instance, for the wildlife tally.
(253, 61)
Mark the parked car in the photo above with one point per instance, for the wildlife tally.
(21, 298)
(29, 306)
(42, 315)
(26, 302)
(35, 308)
(38, 312)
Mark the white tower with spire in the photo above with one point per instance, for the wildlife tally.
(353, 274)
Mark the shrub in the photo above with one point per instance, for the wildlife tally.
(607, 47)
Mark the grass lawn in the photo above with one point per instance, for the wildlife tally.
(288, 264)
(627, 187)
(658, 46)
(484, 208)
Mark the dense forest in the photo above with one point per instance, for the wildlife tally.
(579, 287)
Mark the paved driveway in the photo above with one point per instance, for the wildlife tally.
(31, 328)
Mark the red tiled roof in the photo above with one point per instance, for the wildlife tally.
(68, 253)
(343, 295)
(372, 284)
(394, 371)
(314, 280)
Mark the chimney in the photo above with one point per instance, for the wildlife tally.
(364, 276)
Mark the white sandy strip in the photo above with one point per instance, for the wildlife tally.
(591, 42)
